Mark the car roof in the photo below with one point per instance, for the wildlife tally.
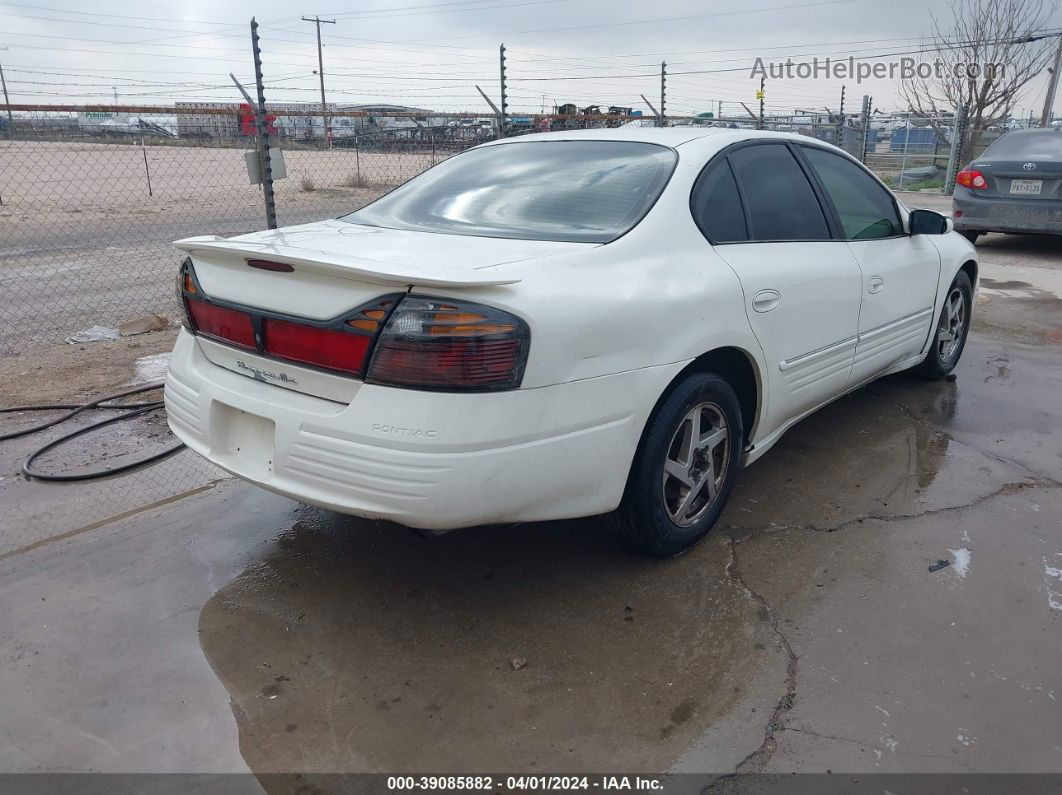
(1036, 131)
(665, 136)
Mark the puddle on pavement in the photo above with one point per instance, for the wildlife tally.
(363, 646)
(871, 454)
(1020, 312)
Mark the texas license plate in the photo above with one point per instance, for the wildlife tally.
(1032, 186)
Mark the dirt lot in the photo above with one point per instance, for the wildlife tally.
(221, 628)
(82, 242)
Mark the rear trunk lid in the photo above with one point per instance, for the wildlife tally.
(337, 265)
(1032, 179)
(333, 267)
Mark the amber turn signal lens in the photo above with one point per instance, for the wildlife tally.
(464, 324)
(189, 285)
(370, 319)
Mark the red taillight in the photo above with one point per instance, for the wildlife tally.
(423, 343)
(971, 178)
(333, 350)
(228, 325)
(449, 345)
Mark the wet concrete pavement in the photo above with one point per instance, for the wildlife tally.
(234, 630)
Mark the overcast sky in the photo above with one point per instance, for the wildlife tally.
(432, 54)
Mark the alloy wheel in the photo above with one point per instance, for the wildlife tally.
(952, 324)
(696, 463)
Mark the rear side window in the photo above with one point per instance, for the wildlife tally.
(780, 201)
(865, 208)
(717, 205)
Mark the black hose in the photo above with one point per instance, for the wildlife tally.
(129, 409)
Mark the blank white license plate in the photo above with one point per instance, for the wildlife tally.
(245, 439)
(1032, 186)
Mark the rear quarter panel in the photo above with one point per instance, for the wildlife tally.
(658, 295)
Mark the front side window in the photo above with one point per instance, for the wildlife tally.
(577, 191)
(717, 206)
(780, 201)
(865, 208)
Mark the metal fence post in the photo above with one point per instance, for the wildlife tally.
(903, 159)
(864, 119)
(839, 139)
(357, 158)
(147, 170)
(504, 103)
(958, 132)
(263, 131)
(663, 94)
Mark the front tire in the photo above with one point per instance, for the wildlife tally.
(685, 467)
(951, 330)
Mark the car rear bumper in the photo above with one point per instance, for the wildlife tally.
(425, 459)
(1005, 214)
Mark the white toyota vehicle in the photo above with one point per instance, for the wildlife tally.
(562, 325)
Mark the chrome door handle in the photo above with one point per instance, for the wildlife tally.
(766, 300)
(874, 284)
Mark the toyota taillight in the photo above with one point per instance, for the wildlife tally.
(971, 178)
(450, 345)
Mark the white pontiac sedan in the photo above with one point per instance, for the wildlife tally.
(562, 325)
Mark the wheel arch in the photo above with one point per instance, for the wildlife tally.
(741, 370)
(970, 267)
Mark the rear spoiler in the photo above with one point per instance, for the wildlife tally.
(355, 268)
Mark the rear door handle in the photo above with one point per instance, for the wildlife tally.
(766, 300)
(874, 284)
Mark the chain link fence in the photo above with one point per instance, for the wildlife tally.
(92, 197)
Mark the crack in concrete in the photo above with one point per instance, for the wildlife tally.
(1006, 488)
(834, 737)
(757, 760)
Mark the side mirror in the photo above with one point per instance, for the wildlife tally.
(927, 222)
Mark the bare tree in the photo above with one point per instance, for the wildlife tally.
(991, 50)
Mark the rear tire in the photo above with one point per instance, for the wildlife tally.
(972, 236)
(950, 331)
(684, 468)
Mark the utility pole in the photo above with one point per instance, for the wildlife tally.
(320, 72)
(1052, 86)
(504, 109)
(840, 121)
(663, 93)
(10, 117)
(760, 95)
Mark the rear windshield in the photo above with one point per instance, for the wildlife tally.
(577, 191)
(1028, 145)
